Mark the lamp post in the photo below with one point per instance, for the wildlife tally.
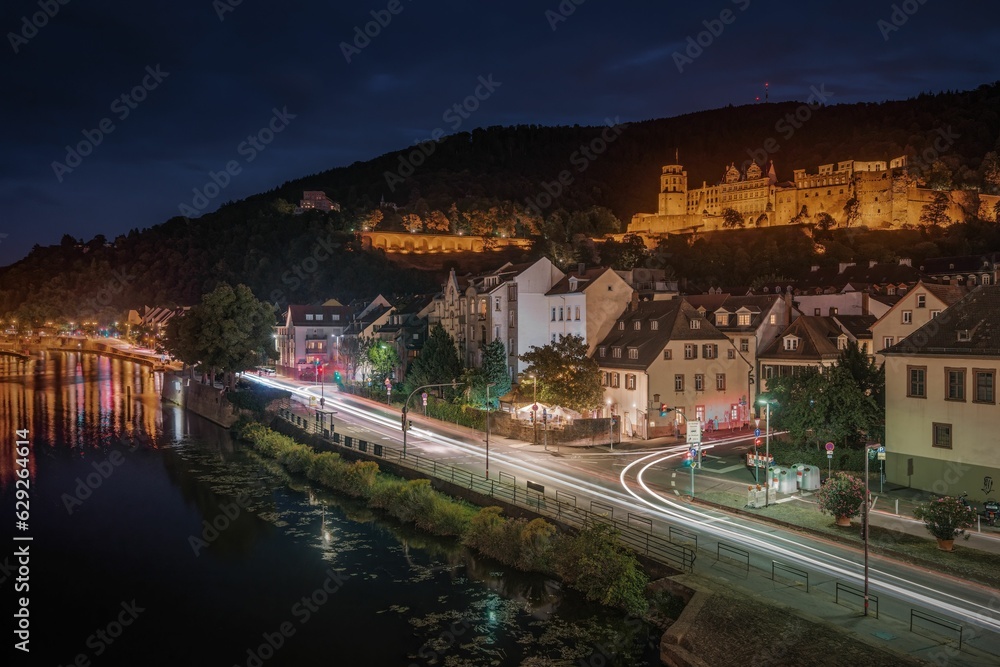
(406, 403)
(864, 537)
(767, 449)
(611, 429)
(534, 409)
(488, 385)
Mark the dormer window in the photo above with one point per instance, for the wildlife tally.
(791, 343)
(616, 352)
(309, 317)
(964, 336)
(633, 353)
(842, 342)
(654, 325)
(572, 284)
(602, 351)
(319, 316)
(743, 319)
(621, 326)
(695, 324)
(721, 319)
(637, 326)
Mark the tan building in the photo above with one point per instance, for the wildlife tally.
(917, 307)
(666, 353)
(813, 342)
(586, 303)
(941, 400)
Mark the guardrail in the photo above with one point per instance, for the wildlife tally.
(742, 553)
(841, 587)
(775, 565)
(937, 620)
(644, 542)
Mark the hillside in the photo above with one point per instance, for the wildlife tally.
(473, 180)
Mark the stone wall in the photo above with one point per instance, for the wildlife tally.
(202, 399)
(581, 433)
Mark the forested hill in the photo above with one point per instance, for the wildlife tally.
(475, 179)
(511, 163)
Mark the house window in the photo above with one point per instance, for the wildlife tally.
(917, 384)
(921, 301)
(887, 342)
(667, 354)
(577, 313)
(955, 383)
(744, 344)
(602, 351)
(496, 332)
(616, 352)
(560, 313)
(510, 346)
(512, 292)
(309, 317)
(630, 381)
(833, 311)
(604, 379)
(985, 382)
(510, 319)
(791, 343)
(907, 317)
(721, 319)
(678, 383)
(319, 316)
(654, 325)
(941, 435)
(743, 319)
(633, 353)
(637, 326)
(690, 351)
(699, 382)
(731, 354)
(720, 381)
(964, 336)
(496, 303)
(985, 280)
(615, 380)
(773, 319)
(553, 314)
(621, 326)
(842, 343)
(816, 312)
(935, 313)
(695, 324)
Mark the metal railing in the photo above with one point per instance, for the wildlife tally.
(560, 506)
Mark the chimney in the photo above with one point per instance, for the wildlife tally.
(580, 268)
(843, 266)
(634, 302)
(905, 261)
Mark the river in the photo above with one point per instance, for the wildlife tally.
(155, 539)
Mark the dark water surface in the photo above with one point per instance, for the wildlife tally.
(127, 568)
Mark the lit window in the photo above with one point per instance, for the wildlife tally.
(743, 319)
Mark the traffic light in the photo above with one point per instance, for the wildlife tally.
(756, 442)
(663, 409)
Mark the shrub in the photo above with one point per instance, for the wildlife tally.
(593, 562)
(842, 495)
(946, 517)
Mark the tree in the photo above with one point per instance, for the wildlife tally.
(436, 221)
(372, 220)
(731, 218)
(801, 216)
(227, 331)
(624, 255)
(493, 371)
(852, 212)
(935, 212)
(413, 223)
(990, 169)
(383, 359)
(825, 221)
(761, 220)
(565, 374)
(438, 361)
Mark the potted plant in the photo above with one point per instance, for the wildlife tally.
(842, 496)
(946, 518)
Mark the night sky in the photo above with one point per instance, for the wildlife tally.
(208, 83)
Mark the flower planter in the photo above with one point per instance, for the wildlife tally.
(844, 521)
(946, 545)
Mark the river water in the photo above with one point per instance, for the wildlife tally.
(157, 540)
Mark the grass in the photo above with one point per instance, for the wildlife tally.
(971, 564)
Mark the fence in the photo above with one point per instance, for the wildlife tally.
(562, 506)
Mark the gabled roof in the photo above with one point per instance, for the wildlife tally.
(970, 327)
(959, 264)
(757, 306)
(949, 294)
(859, 326)
(673, 322)
(583, 280)
(817, 339)
(296, 316)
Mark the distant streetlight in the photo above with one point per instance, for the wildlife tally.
(767, 448)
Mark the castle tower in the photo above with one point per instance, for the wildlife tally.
(673, 190)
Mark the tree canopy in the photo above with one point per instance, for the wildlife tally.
(566, 376)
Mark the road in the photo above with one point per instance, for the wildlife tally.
(647, 484)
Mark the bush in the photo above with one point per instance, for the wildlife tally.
(255, 398)
(842, 495)
(946, 517)
(594, 562)
(416, 502)
(788, 453)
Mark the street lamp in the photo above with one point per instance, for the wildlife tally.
(767, 449)
(876, 446)
(534, 409)
(488, 385)
(406, 403)
(611, 429)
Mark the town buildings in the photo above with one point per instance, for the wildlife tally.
(941, 400)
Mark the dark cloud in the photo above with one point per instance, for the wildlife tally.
(225, 77)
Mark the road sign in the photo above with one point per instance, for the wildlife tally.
(693, 432)
(756, 422)
(881, 453)
(534, 408)
(829, 446)
(423, 397)
(756, 433)
(829, 455)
